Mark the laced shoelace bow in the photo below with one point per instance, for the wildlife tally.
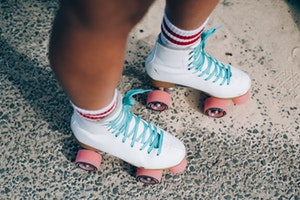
(128, 125)
(198, 58)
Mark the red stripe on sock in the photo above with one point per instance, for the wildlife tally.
(98, 116)
(181, 36)
(179, 42)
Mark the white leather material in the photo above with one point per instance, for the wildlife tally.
(171, 65)
(96, 134)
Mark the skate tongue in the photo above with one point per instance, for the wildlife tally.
(205, 65)
(132, 127)
(140, 131)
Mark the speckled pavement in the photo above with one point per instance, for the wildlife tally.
(252, 153)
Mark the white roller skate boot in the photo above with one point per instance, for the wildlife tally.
(128, 137)
(194, 68)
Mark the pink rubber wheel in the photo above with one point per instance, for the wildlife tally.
(149, 176)
(88, 160)
(242, 99)
(179, 168)
(158, 100)
(215, 107)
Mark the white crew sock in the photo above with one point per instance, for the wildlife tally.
(176, 38)
(95, 115)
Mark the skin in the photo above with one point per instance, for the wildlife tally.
(88, 42)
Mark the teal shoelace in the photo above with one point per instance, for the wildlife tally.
(199, 57)
(128, 125)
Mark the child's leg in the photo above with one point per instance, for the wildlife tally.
(87, 53)
(87, 47)
(189, 14)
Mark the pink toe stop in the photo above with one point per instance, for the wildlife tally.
(179, 168)
(242, 99)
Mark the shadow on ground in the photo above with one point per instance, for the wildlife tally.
(40, 91)
(295, 10)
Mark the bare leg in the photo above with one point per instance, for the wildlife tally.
(88, 44)
(189, 14)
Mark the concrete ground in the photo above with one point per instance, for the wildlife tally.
(252, 153)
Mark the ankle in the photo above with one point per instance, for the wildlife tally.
(95, 115)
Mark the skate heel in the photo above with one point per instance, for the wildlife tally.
(166, 86)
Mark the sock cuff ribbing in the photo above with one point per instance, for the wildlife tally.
(97, 114)
(175, 37)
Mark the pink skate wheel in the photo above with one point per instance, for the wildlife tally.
(179, 168)
(241, 99)
(149, 176)
(158, 100)
(88, 160)
(215, 107)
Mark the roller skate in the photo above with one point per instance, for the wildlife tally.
(128, 137)
(196, 69)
